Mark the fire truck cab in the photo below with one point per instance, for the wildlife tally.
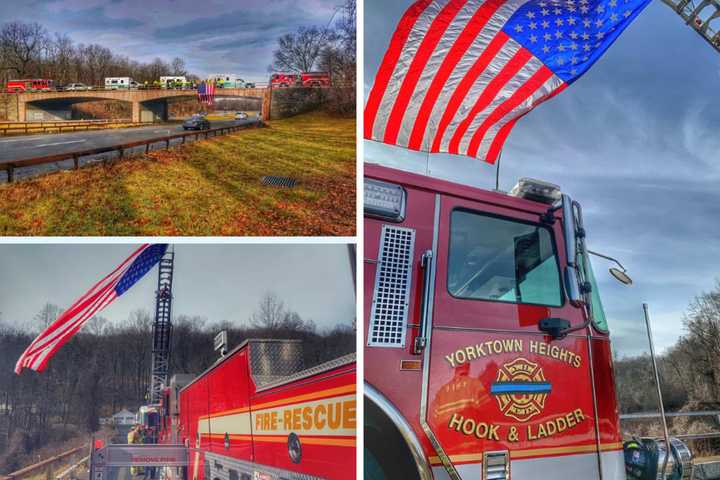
(487, 351)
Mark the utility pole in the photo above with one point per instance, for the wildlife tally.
(162, 328)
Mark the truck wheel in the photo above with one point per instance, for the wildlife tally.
(386, 454)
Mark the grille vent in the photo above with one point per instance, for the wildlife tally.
(496, 466)
(279, 181)
(391, 296)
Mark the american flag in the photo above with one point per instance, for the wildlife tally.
(206, 92)
(458, 74)
(37, 355)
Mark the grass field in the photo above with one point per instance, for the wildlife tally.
(207, 188)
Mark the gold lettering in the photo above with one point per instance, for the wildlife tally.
(287, 419)
(319, 422)
(455, 422)
(307, 418)
(450, 360)
(349, 414)
(470, 353)
(334, 415)
(296, 418)
(468, 426)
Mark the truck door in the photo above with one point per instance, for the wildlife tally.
(502, 399)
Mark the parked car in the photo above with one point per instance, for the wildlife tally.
(196, 122)
(77, 87)
(241, 116)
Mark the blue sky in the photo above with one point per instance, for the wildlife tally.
(636, 142)
(219, 282)
(213, 36)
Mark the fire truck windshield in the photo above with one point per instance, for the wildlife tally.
(501, 259)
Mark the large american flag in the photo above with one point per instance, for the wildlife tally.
(458, 74)
(39, 352)
(206, 92)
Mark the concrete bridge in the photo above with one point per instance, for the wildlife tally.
(147, 105)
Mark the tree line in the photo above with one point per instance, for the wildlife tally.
(106, 367)
(28, 50)
(689, 375)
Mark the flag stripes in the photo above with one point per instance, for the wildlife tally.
(458, 74)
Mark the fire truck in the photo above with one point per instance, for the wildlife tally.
(255, 414)
(283, 80)
(30, 85)
(487, 351)
(315, 79)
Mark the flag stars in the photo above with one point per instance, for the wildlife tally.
(586, 47)
(571, 20)
(585, 36)
(557, 11)
(574, 35)
(533, 38)
(559, 22)
(545, 11)
(545, 49)
(532, 25)
(584, 10)
(586, 23)
(599, 22)
(561, 47)
(530, 14)
(600, 35)
(558, 34)
(613, 3)
(627, 13)
(614, 17)
(545, 24)
(547, 37)
(573, 46)
(518, 28)
(561, 61)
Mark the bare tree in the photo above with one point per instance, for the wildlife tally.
(22, 45)
(178, 67)
(270, 312)
(299, 52)
(46, 316)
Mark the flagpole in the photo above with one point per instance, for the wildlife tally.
(497, 172)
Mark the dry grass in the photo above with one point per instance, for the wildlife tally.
(206, 188)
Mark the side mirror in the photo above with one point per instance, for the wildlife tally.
(621, 276)
(572, 284)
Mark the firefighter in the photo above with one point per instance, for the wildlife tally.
(134, 437)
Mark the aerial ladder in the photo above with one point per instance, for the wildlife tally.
(162, 328)
(702, 15)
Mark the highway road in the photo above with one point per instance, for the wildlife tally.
(32, 146)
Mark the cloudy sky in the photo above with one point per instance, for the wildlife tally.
(636, 142)
(218, 282)
(213, 36)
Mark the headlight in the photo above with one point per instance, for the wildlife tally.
(384, 200)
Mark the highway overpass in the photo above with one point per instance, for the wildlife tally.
(147, 105)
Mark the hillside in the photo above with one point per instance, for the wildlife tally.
(211, 187)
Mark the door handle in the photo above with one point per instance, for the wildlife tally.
(426, 263)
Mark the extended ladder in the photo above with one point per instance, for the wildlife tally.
(162, 328)
(702, 15)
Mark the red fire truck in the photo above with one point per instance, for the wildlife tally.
(283, 80)
(487, 352)
(30, 85)
(257, 414)
(315, 79)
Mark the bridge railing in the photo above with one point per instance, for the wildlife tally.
(33, 470)
(10, 167)
(685, 436)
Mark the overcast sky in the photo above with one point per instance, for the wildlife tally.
(218, 282)
(212, 36)
(637, 142)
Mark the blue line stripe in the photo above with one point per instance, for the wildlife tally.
(504, 388)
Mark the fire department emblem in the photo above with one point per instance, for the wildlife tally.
(521, 389)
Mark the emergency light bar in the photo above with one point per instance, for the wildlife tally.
(384, 200)
(536, 190)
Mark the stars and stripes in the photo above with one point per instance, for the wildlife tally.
(458, 74)
(39, 352)
(206, 92)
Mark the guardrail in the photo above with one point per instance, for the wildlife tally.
(685, 436)
(10, 167)
(37, 127)
(23, 472)
(72, 468)
(140, 87)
